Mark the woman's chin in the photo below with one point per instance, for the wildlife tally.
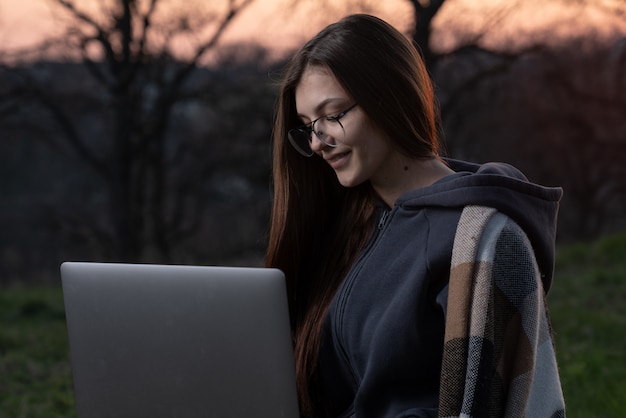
(347, 180)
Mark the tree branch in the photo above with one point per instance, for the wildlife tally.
(232, 13)
(505, 62)
(146, 22)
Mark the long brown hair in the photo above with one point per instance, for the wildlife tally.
(317, 226)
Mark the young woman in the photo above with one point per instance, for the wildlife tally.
(388, 320)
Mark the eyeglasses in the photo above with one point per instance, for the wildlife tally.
(328, 129)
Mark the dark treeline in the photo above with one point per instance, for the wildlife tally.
(558, 113)
(192, 184)
(196, 192)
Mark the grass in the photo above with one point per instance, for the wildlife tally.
(35, 374)
(586, 305)
(589, 319)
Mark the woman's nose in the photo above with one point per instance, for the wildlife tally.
(316, 144)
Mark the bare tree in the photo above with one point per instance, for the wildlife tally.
(557, 113)
(581, 117)
(424, 11)
(128, 49)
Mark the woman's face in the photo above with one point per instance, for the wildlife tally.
(365, 153)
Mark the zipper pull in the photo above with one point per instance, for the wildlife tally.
(383, 219)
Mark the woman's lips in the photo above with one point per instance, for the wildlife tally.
(336, 161)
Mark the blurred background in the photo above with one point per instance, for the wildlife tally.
(140, 131)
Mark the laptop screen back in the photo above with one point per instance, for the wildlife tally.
(179, 341)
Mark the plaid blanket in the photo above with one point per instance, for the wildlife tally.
(499, 358)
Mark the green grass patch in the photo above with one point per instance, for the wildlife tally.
(35, 373)
(586, 305)
(589, 319)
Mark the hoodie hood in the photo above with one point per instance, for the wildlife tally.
(503, 187)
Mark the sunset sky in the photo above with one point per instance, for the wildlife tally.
(274, 24)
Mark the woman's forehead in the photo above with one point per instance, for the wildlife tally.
(318, 89)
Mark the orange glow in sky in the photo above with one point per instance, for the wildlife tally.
(23, 23)
(279, 26)
(271, 23)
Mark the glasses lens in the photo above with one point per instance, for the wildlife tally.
(329, 131)
(300, 139)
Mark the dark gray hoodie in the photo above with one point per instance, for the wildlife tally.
(382, 341)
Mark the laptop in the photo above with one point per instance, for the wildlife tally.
(179, 341)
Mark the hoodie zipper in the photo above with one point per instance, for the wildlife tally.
(383, 219)
(346, 289)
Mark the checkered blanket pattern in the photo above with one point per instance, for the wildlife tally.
(499, 358)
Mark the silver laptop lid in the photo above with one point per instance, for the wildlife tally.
(179, 341)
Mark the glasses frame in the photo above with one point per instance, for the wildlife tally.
(308, 129)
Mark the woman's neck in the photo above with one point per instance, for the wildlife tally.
(409, 174)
